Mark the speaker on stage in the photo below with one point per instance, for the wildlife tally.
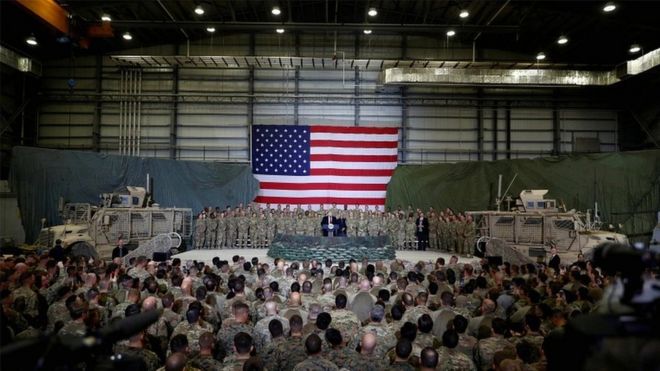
(160, 256)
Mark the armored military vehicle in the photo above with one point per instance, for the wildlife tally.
(535, 224)
(127, 213)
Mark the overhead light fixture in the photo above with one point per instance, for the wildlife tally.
(276, 10)
(31, 40)
(210, 29)
(562, 40)
(199, 10)
(451, 33)
(372, 12)
(127, 36)
(279, 30)
(367, 32)
(609, 7)
(464, 13)
(106, 18)
(540, 56)
(634, 48)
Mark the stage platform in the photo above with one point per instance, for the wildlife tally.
(226, 254)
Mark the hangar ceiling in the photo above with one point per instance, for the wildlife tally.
(594, 37)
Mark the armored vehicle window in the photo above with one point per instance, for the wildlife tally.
(505, 220)
(540, 205)
(530, 204)
(136, 201)
(533, 221)
(564, 224)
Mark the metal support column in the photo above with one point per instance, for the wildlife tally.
(508, 130)
(480, 125)
(174, 119)
(404, 46)
(357, 96)
(404, 124)
(495, 128)
(250, 112)
(96, 121)
(296, 101)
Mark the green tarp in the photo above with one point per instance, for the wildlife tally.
(626, 185)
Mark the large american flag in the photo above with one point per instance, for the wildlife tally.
(318, 164)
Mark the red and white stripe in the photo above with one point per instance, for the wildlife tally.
(348, 166)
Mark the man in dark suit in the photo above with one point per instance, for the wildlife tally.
(554, 259)
(329, 225)
(422, 231)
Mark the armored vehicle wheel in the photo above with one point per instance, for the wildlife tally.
(176, 239)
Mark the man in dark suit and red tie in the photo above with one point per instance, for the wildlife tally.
(422, 231)
(329, 225)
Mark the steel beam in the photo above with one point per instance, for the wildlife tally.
(495, 144)
(480, 125)
(174, 118)
(96, 122)
(508, 130)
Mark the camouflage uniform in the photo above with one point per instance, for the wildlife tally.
(231, 363)
(341, 356)
(413, 314)
(310, 224)
(31, 302)
(361, 225)
(347, 323)
(193, 332)
(410, 229)
(232, 230)
(221, 231)
(373, 226)
(200, 233)
(366, 363)
(211, 232)
(150, 358)
(261, 333)
(315, 363)
(466, 344)
(453, 360)
(205, 362)
(400, 232)
(460, 237)
(57, 312)
(267, 352)
(486, 348)
(73, 328)
(433, 232)
(243, 227)
(289, 353)
(271, 227)
(386, 338)
(400, 366)
(451, 236)
(300, 225)
(227, 332)
(470, 235)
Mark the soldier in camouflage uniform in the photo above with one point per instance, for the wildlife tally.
(211, 232)
(232, 228)
(442, 231)
(271, 226)
(314, 361)
(410, 237)
(291, 352)
(433, 231)
(232, 326)
(221, 236)
(299, 225)
(204, 359)
(193, 328)
(377, 326)
(373, 225)
(243, 227)
(78, 314)
(451, 234)
(253, 222)
(29, 296)
(361, 225)
(486, 348)
(242, 344)
(200, 231)
(345, 320)
(135, 348)
(310, 223)
(452, 358)
(367, 360)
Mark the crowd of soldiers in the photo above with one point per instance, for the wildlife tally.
(310, 315)
(253, 227)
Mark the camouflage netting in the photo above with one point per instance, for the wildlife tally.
(336, 248)
(626, 185)
(40, 176)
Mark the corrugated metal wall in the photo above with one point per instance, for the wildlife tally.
(202, 113)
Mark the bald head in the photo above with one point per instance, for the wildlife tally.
(149, 303)
(21, 268)
(176, 362)
(206, 341)
(368, 343)
(295, 298)
(271, 307)
(364, 284)
(488, 306)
